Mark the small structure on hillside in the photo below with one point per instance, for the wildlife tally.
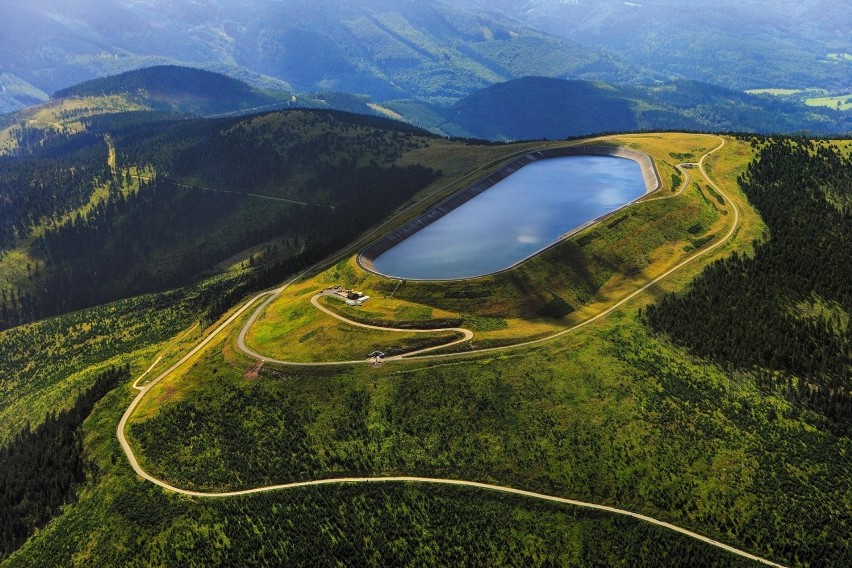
(377, 357)
(351, 297)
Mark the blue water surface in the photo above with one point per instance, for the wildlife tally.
(515, 218)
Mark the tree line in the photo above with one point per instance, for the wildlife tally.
(41, 468)
(101, 257)
(55, 178)
(372, 193)
(783, 312)
(163, 230)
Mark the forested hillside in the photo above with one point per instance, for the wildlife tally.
(609, 413)
(785, 311)
(540, 107)
(193, 193)
(178, 89)
(742, 44)
(41, 468)
(56, 175)
(404, 48)
(176, 203)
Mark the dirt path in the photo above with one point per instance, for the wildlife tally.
(467, 335)
(372, 480)
(217, 190)
(273, 294)
(111, 159)
(615, 306)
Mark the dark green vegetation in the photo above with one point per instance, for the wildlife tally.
(175, 204)
(41, 363)
(741, 44)
(617, 417)
(394, 524)
(52, 177)
(785, 311)
(538, 107)
(121, 521)
(567, 277)
(180, 90)
(612, 414)
(40, 468)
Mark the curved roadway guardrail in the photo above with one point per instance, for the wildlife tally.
(650, 176)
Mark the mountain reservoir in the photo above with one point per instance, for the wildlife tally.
(512, 215)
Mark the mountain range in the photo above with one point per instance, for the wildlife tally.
(740, 44)
(420, 49)
(190, 192)
(518, 109)
(540, 107)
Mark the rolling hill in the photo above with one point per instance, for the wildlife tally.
(152, 93)
(538, 107)
(168, 198)
(16, 94)
(137, 202)
(180, 90)
(611, 413)
(183, 383)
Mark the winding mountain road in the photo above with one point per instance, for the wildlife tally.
(271, 295)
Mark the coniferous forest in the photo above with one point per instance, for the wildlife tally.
(783, 312)
(40, 468)
(156, 196)
(162, 229)
(56, 175)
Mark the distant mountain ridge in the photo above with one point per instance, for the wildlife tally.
(519, 109)
(540, 107)
(740, 44)
(173, 88)
(421, 49)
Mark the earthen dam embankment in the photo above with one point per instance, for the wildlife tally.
(650, 177)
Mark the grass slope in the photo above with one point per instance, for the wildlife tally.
(611, 414)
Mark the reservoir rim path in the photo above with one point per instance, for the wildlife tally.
(648, 169)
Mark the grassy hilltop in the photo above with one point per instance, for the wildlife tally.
(611, 413)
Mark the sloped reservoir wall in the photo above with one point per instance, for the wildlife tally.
(649, 175)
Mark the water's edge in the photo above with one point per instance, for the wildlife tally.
(650, 176)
